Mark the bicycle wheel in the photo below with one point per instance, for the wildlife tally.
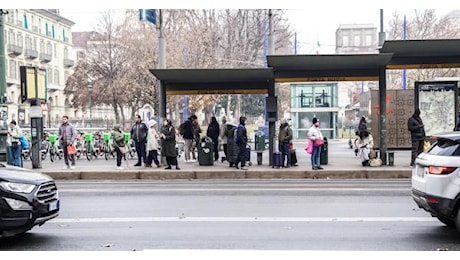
(52, 156)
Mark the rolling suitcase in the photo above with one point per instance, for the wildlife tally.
(293, 158)
(277, 160)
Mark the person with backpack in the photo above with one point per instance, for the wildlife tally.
(186, 129)
(241, 140)
(118, 141)
(213, 133)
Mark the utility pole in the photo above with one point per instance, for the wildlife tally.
(2, 58)
(271, 94)
(162, 65)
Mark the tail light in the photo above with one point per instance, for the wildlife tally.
(440, 170)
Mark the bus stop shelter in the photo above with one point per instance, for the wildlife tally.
(405, 54)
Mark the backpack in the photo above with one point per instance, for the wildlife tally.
(182, 128)
(24, 142)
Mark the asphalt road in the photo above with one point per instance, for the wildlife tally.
(352, 215)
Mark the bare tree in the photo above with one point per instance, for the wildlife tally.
(424, 24)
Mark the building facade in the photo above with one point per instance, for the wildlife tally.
(38, 38)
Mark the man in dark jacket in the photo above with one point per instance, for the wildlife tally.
(139, 135)
(241, 141)
(284, 139)
(417, 134)
(213, 132)
(188, 135)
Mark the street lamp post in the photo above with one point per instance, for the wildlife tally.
(90, 89)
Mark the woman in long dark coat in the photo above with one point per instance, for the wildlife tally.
(213, 132)
(168, 138)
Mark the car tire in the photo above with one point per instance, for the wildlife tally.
(448, 222)
(457, 219)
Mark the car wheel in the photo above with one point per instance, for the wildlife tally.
(448, 222)
(457, 219)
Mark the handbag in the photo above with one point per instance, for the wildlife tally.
(71, 150)
(319, 142)
(123, 149)
(309, 147)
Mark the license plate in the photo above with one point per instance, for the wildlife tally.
(53, 205)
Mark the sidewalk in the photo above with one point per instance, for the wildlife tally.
(342, 164)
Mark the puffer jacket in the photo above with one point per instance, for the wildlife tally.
(152, 136)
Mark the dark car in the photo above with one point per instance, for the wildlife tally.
(27, 199)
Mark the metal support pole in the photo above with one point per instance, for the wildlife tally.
(162, 65)
(382, 32)
(271, 89)
(383, 111)
(2, 57)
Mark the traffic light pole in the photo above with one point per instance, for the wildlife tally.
(2, 58)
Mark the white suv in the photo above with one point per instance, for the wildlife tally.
(436, 179)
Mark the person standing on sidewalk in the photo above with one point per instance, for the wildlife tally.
(223, 137)
(241, 141)
(139, 136)
(284, 139)
(66, 137)
(14, 144)
(118, 139)
(417, 134)
(213, 133)
(314, 134)
(168, 137)
(187, 133)
(152, 145)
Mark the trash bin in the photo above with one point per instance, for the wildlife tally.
(206, 151)
(4, 154)
(324, 153)
(259, 141)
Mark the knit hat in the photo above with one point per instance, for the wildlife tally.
(315, 120)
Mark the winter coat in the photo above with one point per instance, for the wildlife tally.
(69, 131)
(415, 126)
(168, 141)
(223, 134)
(242, 135)
(188, 130)
(213, 131)
(139, 132)
(285, 134)
(314, 133)
(152, 137)
(118, 138)
(232, 147)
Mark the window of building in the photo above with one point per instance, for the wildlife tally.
(39, 25)
(66, 76)
(345, 41)
(20, 40)
(13, 70)
(66, 53)
(56, 77)
(55, 50)
(42, 46)
(368, 40)
(357, 40)
(28, 42)
(26, 23)
(12, 37)
(49, 49)
(49, 75)
(35, 44)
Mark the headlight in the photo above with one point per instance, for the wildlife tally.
(18, 204)
(17, 187)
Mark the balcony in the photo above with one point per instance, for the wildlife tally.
(19, 23)
(52, 87)
(66, 39)
(68, 63)
(30, 54)
(14, 50)
(45, 57)
(35, 28)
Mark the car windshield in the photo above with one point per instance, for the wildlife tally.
(445, 147)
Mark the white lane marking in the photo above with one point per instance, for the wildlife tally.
(245, 219)
(150, 189)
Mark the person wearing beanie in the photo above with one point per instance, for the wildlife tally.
(152, 145)
(315, 136)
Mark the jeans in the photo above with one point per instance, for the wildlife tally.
(315, 157)
(187, 148)
(15, 155)
(66, 156)
(140, 150)
(284, 149)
